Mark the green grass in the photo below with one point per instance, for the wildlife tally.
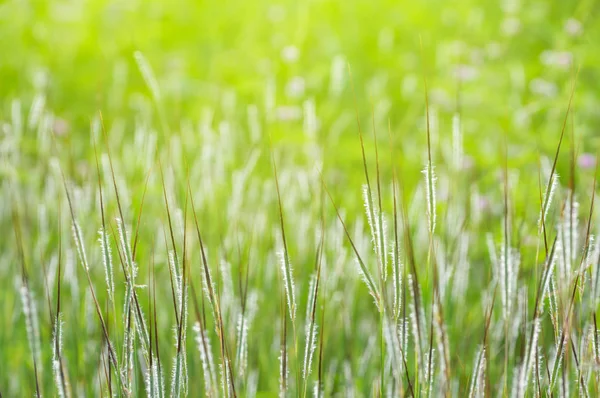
(231, 143)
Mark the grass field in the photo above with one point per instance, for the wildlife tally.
(318, 198)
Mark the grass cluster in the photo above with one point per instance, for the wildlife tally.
(276, 232)
(106, 306)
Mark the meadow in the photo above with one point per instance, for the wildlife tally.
(318, 198)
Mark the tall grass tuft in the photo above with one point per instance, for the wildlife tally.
(452, 317)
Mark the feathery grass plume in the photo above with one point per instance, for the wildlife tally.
(427, 386)
(179, 383)
(441, 339)
(131, 304)
(204, 346)
(227, 377)
(126, 249)
(36, 111)
(78, 237)
(596, 276)
(590, 255)
(105, 246)
(552, 180)
(532, 343)
(318, 389)
(207, 281)
(152, 84)
(362, 268)
(128, 348)
(107, 262)
(380, 226)
(429, 171)
(430, 179)
(560, 347)
(151, 383)
(57, 362)
(402, 336)
(227, 296)
(158, 378)
(28, 302)
(461, 272)
(417, 312)
(397, 266)
(283, 357)
(508, 266)
(367, 192)
(286, 267)
(377, 233)
(129, 330)
(582, 386)
(547, 200)
(244, 317)
(395, 354)
(477, 385)
(595, 344)
(565, 330)
(311, 330)
(438, 326)
(227, 382)
(84, 263)
(203, 342)
(286, 270)
(416, 321)
(377, 226)
(507, 277)
(32, 327)
(568, 236)
(590, 246)
(242, 345)
(553, 305)
(147, 74)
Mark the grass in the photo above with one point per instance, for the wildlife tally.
(299, 199)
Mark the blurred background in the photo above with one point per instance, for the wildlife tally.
(505, 66)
